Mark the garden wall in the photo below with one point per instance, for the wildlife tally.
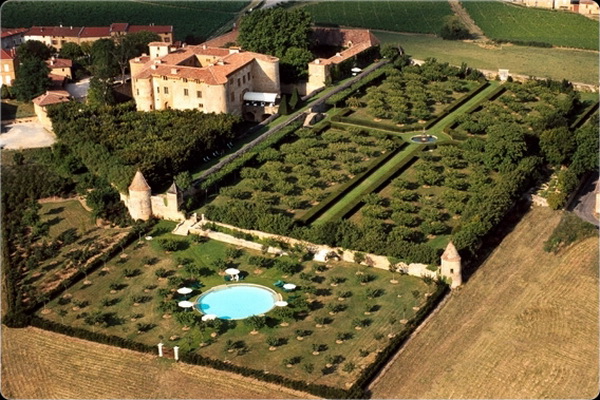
(372, 260)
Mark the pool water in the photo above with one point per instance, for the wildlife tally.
(237, 301)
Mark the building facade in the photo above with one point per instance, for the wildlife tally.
(8, 66)
(60, 67)
(12, 38)
(203, 78)
(57, 36)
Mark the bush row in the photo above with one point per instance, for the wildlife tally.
(531, 43)
(584, 116)
(456, 104)
(491, 96)
(367, 80)
(343, 189)
(371, 124)
(407, 161)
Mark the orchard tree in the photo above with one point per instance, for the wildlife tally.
(505, 146)
(557, 145)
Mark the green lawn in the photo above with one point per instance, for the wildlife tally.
(499, 20)
(12, 109)
(396, 302)
(573, 65)
(400, 16)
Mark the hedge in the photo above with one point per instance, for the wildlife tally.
(375, 125)
(584, 117)
(368, 79)
(456, 104)
(379, 183)
(317, 210)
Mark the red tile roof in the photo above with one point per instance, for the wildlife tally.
(220, 41)
(67, 31)
(50, 97)
(59, 63)
(7, 32)
(119, 27)
(150, 28)
(6, 55)
(95, 31)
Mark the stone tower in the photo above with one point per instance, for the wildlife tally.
(451, 266)
(139, 204)
(174, 197)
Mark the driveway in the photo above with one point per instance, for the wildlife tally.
(79, 90)
(26, 135)
(585, 201)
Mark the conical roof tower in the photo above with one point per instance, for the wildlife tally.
(139, 184)
(451, 254)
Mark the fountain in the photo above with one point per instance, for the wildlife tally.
(424, 138)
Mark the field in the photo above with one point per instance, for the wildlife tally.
(525, 325)
(513, 23)
(573, 65)
(130, 297)
(45, 365)
(197, 20)
(399, 16)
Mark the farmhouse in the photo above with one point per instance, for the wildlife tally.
(60, 66)
(41, 103)
(205, 78)
(585, 7)
(57, 36)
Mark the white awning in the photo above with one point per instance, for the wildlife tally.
(260, 96)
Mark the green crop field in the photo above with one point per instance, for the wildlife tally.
(513, 23)
(197, 19)
(399, 16)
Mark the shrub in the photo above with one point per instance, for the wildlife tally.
(569, 230)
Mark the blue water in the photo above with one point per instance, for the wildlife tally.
(237, 301)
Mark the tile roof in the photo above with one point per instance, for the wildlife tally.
(6, 55)
(7, 32)
(220, 41)
(95, 31)
(59, 63)
(341, 37)
(51, 97)
(119, 27)
(344, 55)
(139, 184)
(67, 31)
(451, 254)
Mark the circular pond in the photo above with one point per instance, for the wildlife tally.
(424, 139)
(237, 301)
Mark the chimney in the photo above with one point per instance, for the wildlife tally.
(203, 47)
(144, 55)
(338, 54)
(233, 50)
(220, 62)
(154, 66)
(60, 25)
(137, 59)
(71, 26)
(174, 71)
(318, 61)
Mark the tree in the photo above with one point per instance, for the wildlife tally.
(453, 29)
(34, 49)
(557, 145)
(70, 50)
(32, 79)
(391, 51)
(283, 106)
(183, 180)
(295, 99)
(100, 92)
(294, 64)
(130, 46)
(505, 146)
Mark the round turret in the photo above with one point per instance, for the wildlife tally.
(451, 268)
(139, 204)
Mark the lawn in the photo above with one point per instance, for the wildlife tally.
(399, 16)
(191, 20)
(132, 308)
(12, 109)
(573, 65)
(501, 21)
(525, 325)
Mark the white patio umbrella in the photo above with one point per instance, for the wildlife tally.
(281, 303)
(356, 69)
(185, 304)
(184, 290)
(289, 286)
(232, 271)
(208, 317)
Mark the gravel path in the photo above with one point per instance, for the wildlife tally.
(466, 19)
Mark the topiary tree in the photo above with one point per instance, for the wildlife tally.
(283, 106)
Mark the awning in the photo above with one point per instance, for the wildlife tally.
(260, 96)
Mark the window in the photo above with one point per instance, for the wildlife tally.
(232, 96)
(7, 79)
(167, 39)
(184, 80)
(199, 94)
(6, 67)
(158, 89)
(151, 106)
(244, 79)
(239, 82)
(54, 41)
(166, 90)
(137, 91)
(248, 75)
(200, 105)
(241, 96)
(164, 77)
(186, 92)
(451, 270)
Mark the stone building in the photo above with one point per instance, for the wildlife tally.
(60, 66)
(584, 7)
(41, 103)
(451, 267)
(141, 204)
(11, 38)
(57, 36)
(204, 78)
(8, 66)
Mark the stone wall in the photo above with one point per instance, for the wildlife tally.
(165, 209)
(372, 260)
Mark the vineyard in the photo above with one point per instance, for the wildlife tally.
(196, 19)
(399, 16)
(500, 21)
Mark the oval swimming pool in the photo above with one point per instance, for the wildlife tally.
(237, 301)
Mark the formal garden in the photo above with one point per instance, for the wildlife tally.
(339, 318)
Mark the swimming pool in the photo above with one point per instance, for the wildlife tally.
(237, 301)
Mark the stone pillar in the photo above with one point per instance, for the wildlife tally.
(160, 350)
(176, 353)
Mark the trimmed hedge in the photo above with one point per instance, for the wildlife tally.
(379, 182)
(584, 117)
(375, 125)
(320, 208)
